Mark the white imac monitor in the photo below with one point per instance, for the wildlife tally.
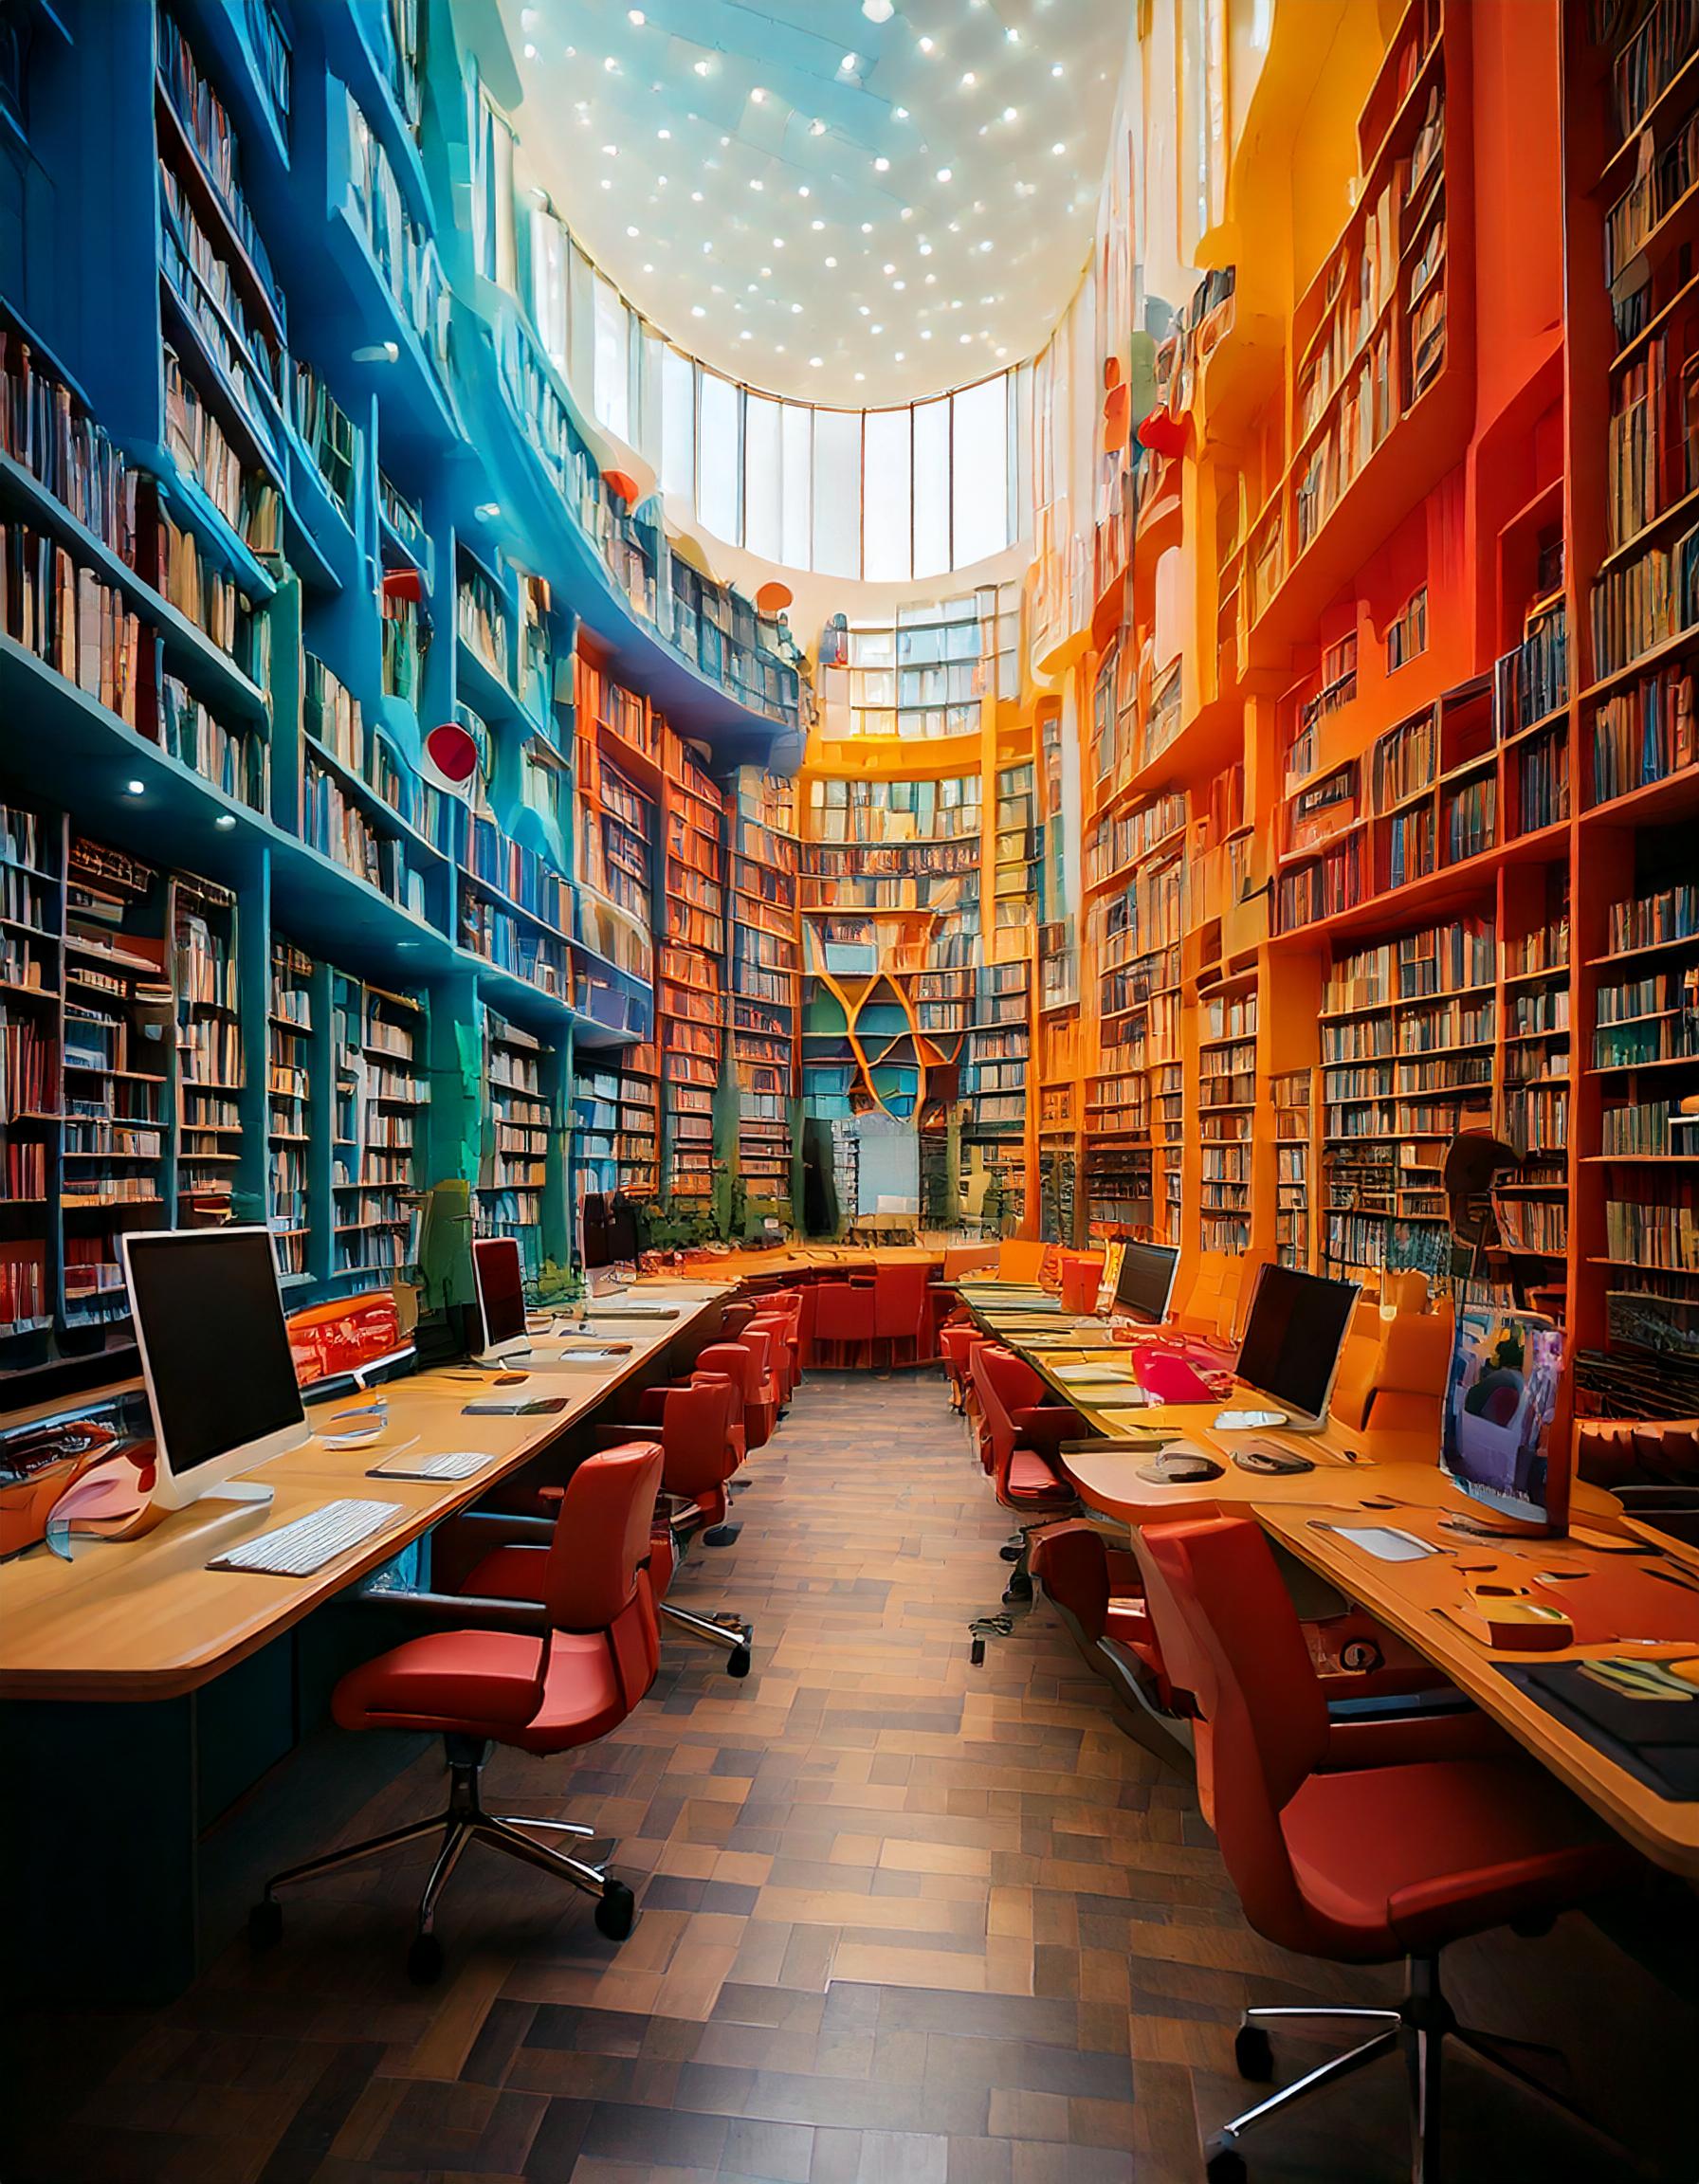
(500, 1274)
(215, 1355)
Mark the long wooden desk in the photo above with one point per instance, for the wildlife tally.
(141, 1693)
(1617, 1605)
(146, 1619)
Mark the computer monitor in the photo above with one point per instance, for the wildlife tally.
(625, 1246)
(1294, 1336)
(215, 1355)
(592, 1231)
(1501, 1402)
(500, 1273)
(1146, 1281)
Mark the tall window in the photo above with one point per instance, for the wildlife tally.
(887, 498)
(837, 492)
(979, 471)
(720, 470)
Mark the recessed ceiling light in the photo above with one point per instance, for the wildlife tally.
(882, 165)
(831, 260)
(901, 112)
(944, 174)
(707, 247)
(695, 196)
(530, 52)
(816, 361)
(850, 64)
(878, 10)
(866, 227)
(746, 335)
(925, 333)
(610, 64)
(926, 45)
(1011, 113)
(816, 128)
(631, 231)
(226, 819)
(795, 310)
(665, 135)
(876, 329)
(703, 67)
(697, 311)
(661, 183)
(817, 225)
(133, 788)
(1058, 149)
(805, 190)
(487, 511)
(636, 17)
(859, 375)
(1013, 35)
(926, 250)
(611, 151)
(986, 244)
(1057, 69)
(864, 309)
(607, 181)
(899, 285)
(756, 182)
(901, 354)
(968, 79)
(888, 270)
(758, 94)
(907, 212)
(649, 268)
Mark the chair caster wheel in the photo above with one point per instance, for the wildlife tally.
(1018, 1588)
(1226, 2165)
(425, 1960)
(616, 1911)
(1253, 2054)
(265, 1923)
(738, 1663)
(1010, 1551)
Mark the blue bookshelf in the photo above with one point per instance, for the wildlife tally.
(266, 435)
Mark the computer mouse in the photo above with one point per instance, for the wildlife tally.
(1273, 1462)
(1179, 1469)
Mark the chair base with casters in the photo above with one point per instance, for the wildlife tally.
(734, 1636)
(463, 1823)
(1417, 2028)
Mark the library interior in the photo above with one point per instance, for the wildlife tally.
(848, 1091)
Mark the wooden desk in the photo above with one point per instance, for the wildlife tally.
(146, 1619)
(1411, 1598)
(141, 1693)
(806, 1258)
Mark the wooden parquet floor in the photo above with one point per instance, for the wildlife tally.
(903, 1921)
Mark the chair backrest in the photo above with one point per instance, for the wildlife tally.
(1081, 1274)
(1020, 1259)
(1358, 1364)
(962, 1259)
(696, 1436)
(899, 1300)
(601, 1536)
(1232, 1641)
(1004, 1384)
(740, 1362)
(734, 1319)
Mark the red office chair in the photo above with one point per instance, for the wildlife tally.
(902, 1313)
(1082, 1276)
(957, 1342)
(843, 1321)
(572, 1674)
(1364, 1866)
(786, 1305)
(1020, 1434)
(698, 1459)
(774, 1329)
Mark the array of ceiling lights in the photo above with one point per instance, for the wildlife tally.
(852, 201)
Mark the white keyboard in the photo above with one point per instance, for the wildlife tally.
(452, 1463)
(305, 1545)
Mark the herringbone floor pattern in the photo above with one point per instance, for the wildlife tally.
(903, 1921)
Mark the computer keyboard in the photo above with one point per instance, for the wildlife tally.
(451, 1464)
(305, 1545)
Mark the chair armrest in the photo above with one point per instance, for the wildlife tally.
(460, 1610)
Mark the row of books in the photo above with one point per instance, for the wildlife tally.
(72, 619)
(1644, 733)
(1644, 603)
(47, 431)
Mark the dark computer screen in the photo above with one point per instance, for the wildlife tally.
(210, 1316)
(592, 1222)
(501, 1276)
(1146, 1280)
(1500, 1401)
(1293, 1337)
(623, 1246)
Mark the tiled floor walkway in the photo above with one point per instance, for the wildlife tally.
(903, 1921)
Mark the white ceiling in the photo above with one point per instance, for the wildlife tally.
(855, 234)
